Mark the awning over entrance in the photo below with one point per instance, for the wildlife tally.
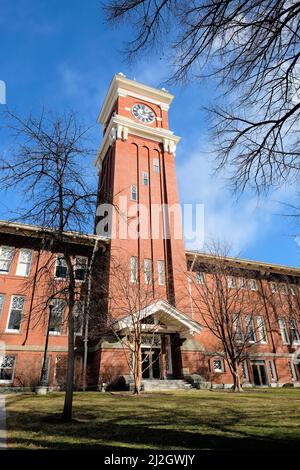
(162, 317)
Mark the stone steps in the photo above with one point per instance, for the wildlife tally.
(165, 385)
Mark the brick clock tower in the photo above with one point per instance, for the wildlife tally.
(136, 165)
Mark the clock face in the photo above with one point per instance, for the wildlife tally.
(143, 113)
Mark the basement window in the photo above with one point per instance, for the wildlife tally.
(7, 367)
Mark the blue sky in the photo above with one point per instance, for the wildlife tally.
(60, 54)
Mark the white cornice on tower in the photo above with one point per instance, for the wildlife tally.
(122, 86)
(120, 127)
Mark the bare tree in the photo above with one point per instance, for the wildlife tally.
(46, 166)
(251, 47)
(130, 318)
(225, 303)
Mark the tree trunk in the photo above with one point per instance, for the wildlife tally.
(68, 404)
(237, 386)
(138, 369)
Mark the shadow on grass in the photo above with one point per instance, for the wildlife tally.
(167, 430)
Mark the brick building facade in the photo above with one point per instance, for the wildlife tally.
(140, 252)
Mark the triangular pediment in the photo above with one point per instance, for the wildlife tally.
(166, 318)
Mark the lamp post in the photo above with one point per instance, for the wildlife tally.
(43, 383)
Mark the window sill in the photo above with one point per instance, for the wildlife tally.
(6, 382)
(12, 332)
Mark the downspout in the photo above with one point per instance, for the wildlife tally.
(190, 286)
(32, 296)
(86, 313)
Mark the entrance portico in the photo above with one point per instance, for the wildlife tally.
(162, 327)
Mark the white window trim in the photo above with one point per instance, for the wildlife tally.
(2, 304)
(2, 381)
(295, 341)
(134, 269)
(274, 287)
(250, 321)
(59, 255)
(156, 165)
(245, 370)
(283, 327)
(161, 273)
(293, 371)
(7, 330)
(148, 263)
(253, 284)
(59, 333)
(293, 290)
(238, 324)
(145, 176)
(200, 278)
(230, 282)
(19, 263)
(79, 333)
(272, 370)
(14, 252)
(218, 371)
(86, 268)
(131, 192)
(261, 324)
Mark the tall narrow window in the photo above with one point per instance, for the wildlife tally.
(253, 284)
(230, 282)
(78, 317)
(200, 277)
(15, 313)
(292, 371)
(7, 367)
(61, 268)
(245, 371)
(261, 329)
(272, 371)
(24, 262)
(284, 289)
(80, 270)
(274, 288)
(1, 304)
(294, 332)
(293, 290)
(145, 178)
(156, 165)
(6, 257)
(239, 335)
(133, 269)
(133, 193)
(161, 273)
(57, 316)
(148, 270)
(250, 329)
(242, 283)
(283, 331)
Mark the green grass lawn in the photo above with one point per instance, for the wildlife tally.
(263, 419)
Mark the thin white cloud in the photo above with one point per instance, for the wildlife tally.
(237, 223)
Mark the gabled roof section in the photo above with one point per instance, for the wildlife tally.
(122, 86)
(185, 323)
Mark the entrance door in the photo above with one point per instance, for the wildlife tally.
(259, 373)
(151, 363)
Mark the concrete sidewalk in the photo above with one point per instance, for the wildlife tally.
(2, 423)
